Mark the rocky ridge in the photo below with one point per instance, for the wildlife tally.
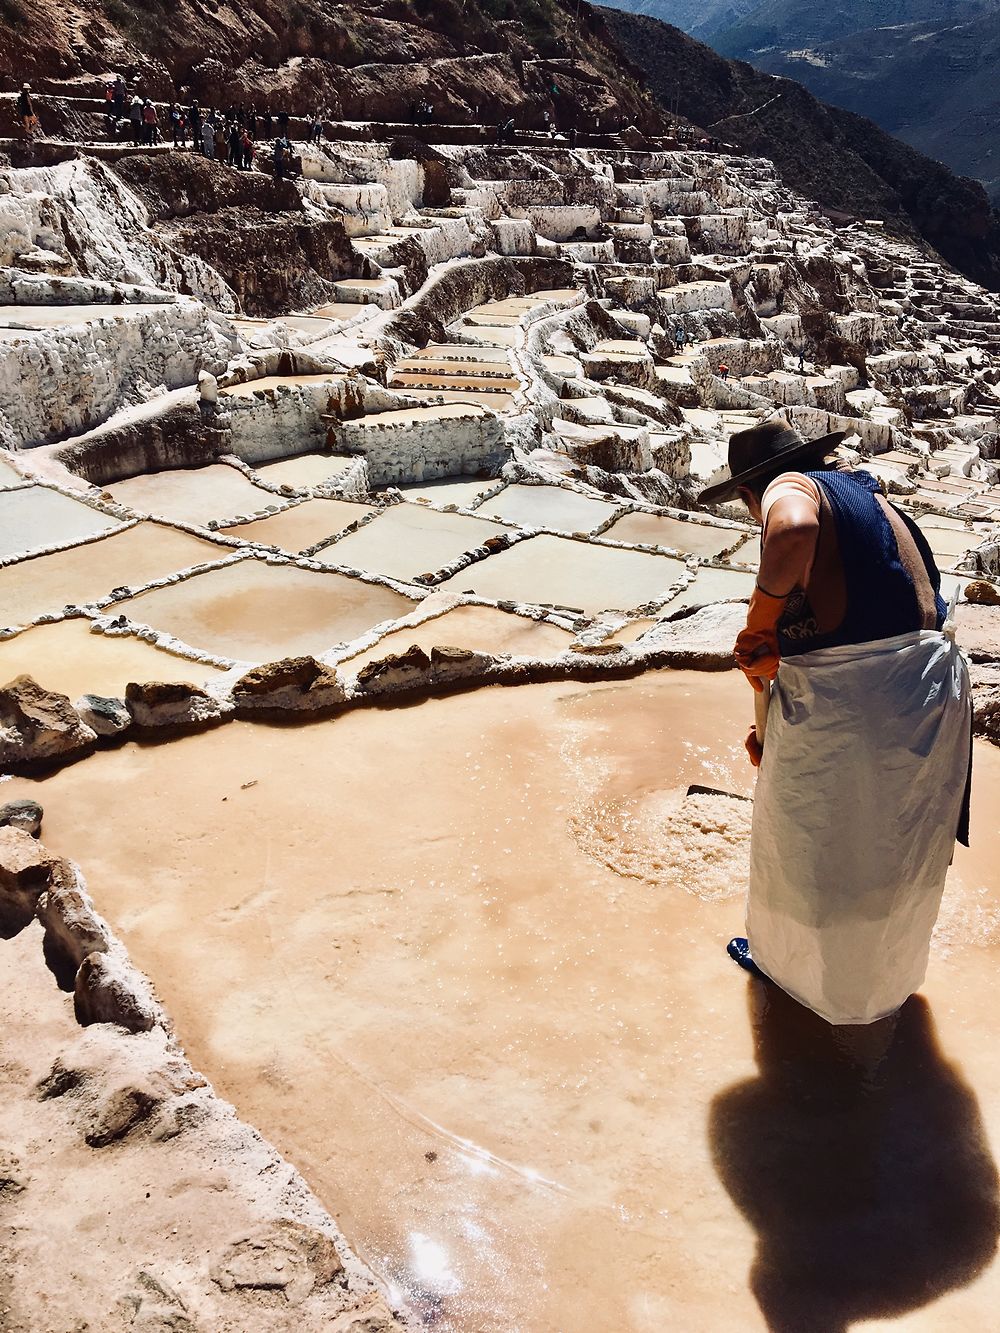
(478, 63)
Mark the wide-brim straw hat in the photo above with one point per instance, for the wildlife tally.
(770, 448)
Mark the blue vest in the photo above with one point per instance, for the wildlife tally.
(881, 597)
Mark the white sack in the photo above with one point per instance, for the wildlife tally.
(855, 815)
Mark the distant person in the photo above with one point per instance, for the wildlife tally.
(279, 158)
(178, 126)
(267, 124)
(723, 371)
(680, 337)
(150, 123)
(135, 120)
(249, 149)
(316, 129)
(234, 155)
(221, 142)
(208, 139)
(26, 111)
(194, 123)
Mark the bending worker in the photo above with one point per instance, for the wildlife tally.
(864, 774)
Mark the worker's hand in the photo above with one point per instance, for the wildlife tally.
(756, 649)
(753, 747)
(757, 656)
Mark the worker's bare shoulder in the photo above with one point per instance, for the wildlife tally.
(794, 495)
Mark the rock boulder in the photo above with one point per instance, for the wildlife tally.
(171, 704)
(39, 727)
(293, 684)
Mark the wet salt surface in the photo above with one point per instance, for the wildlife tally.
(68, 658)
(408, 540)
(675, 533)
(480, 628)
(37, 517)
(561, 572)
(193, 495)
(138, 555)
(530, 1086)
(462, 493)
(301, 527)
(305, 469)
(251, 611)
(549, 507)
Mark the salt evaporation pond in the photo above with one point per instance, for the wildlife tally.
(674, 533)
(9, 476)
(20, 317)
(193, 495)
(36, 517)
(500, 1034)
(548, 507)
(481, 628)
(301, 527)
(130, 558)
(69, 658)
(251, 611)
(407, 540)
(305, 470)
(461, 493)
(560, 572)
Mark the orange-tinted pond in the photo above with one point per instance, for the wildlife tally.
(499, 1033)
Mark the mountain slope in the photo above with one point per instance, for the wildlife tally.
(474, 60)
(701, 20)
(789, 24)
(922, 69)
(834, 156)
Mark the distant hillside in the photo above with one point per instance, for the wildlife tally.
(923, 69)
(840, 159)
(700, 20)
(473, 60)
(789, 24)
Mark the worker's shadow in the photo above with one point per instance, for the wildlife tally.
(859, 1157)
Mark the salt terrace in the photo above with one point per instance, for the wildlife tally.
(457, 956)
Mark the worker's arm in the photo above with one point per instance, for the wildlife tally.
(790, 510)
(791, 527)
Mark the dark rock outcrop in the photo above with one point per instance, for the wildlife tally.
(251, 228)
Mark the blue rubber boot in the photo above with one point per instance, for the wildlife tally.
(739, 951)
